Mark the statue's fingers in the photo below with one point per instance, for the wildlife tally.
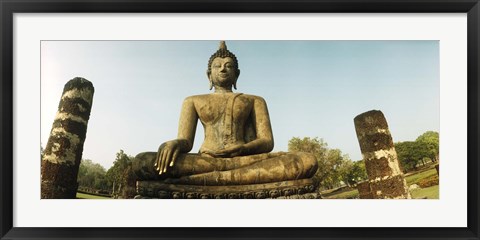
(168, 160)
(157, 161)
(159, 156)
(175, 156)
(160, 151)
(160, 162)
(155, 164)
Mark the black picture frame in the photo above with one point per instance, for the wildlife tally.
(9, 7)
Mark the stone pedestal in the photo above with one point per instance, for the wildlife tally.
(385, 177)
(296, 189)
(63, 152)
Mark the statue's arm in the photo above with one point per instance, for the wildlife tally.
(187, 125)
(261, 120)
(169, 151)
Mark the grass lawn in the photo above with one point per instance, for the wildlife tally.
(89, 196)
(413, 179)
(429, 193)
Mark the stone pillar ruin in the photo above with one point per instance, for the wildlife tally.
(385, 179)
(364, 190)
(63, 152)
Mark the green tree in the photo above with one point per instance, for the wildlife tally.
(116, 174)
(315, 146)
(336, 163)
(410, 154)
(431, 141)
(355, 172)
(92, 176)
(344, 170)
(330, 161)
(405, 155)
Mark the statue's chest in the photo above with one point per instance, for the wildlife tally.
(233, 110)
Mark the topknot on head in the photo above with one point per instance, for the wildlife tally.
(222, 46)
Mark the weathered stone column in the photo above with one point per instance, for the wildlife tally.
(385, 177)
(364, 191)
(63, 152)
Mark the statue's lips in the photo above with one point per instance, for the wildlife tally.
(223, 77)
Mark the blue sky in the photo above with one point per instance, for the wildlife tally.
(312, 88)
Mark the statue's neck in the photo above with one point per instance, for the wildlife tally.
(219, 89)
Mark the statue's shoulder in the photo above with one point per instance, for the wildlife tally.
(253, 97)
(195, 98)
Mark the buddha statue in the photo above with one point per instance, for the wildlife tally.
(235, 158)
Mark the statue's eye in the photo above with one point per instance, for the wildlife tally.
(216, 65)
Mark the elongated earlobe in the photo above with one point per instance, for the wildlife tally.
(235, 81)
(209, 80)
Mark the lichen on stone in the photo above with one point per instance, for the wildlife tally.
(82, 93)
(81, 108)
(68, 155)
(68, 116)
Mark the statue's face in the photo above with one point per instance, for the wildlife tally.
(223, 72)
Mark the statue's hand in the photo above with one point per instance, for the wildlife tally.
(232, 151)
(166, 155)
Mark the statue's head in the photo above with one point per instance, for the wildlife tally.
(223, 68)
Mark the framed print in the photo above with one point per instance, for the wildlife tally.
(336, 72)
